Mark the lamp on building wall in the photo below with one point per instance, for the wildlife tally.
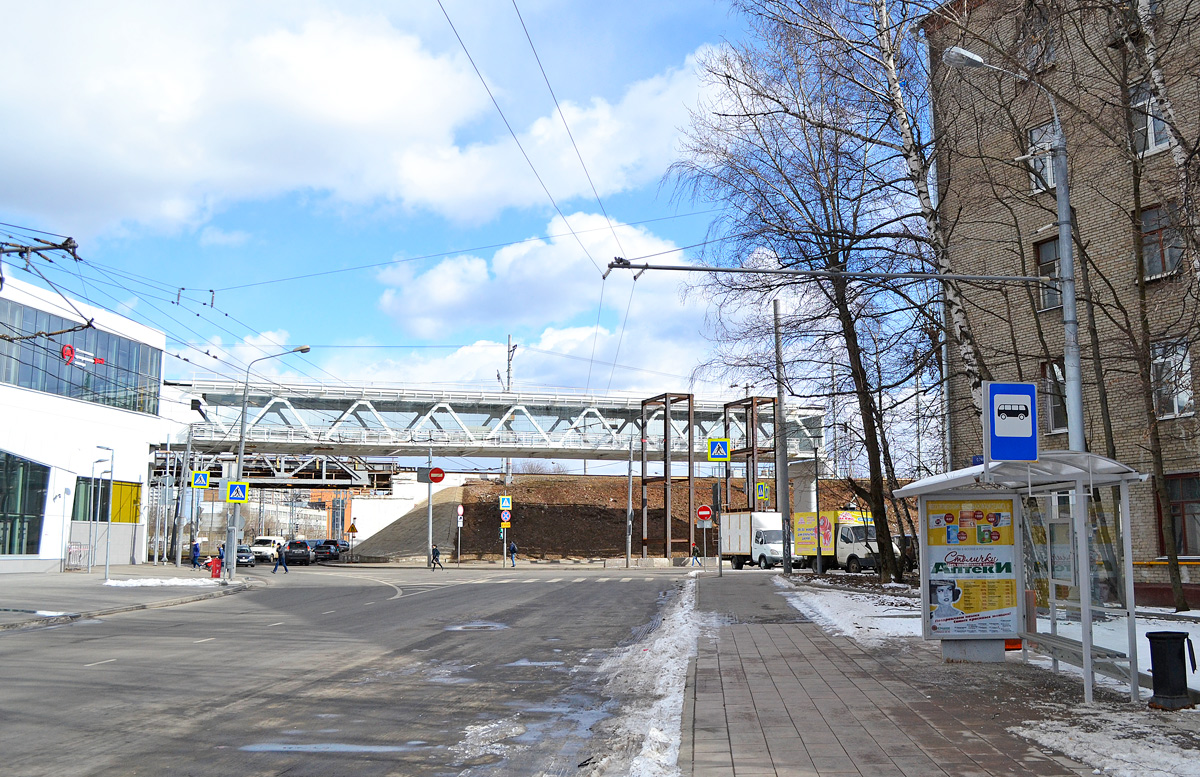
(958, 57)
(232, 527)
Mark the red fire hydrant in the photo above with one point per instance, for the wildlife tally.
(216, 567)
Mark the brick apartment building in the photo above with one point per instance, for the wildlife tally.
(1001, 213)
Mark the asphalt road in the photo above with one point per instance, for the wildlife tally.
(333, 672)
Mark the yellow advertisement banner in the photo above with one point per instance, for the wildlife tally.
(805, 526)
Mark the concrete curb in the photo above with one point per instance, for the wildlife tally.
(74, 616)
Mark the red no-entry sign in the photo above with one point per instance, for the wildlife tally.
(704, 512)
(437, 475)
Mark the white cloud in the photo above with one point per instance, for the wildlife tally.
(212, 236)
(160, 114)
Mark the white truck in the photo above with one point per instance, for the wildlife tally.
(754, 538)
(847, 540)
(263, 546)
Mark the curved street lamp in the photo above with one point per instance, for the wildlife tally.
(232, 527)
(958, 57)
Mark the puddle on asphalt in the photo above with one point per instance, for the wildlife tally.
(477, 626)
(332, 747)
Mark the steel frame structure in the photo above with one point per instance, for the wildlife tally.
(665, 402)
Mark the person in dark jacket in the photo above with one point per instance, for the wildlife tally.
(695, 555)
(196, 555)
(280, 557)
(512, 552)
(435, 556)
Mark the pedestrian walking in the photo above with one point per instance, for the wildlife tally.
(221, 553)
(512, 552)
(436, 556)
(280, 557)
(196, 554)
(695, 555)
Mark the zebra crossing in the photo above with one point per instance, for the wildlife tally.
(540, 580)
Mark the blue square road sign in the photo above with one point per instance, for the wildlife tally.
(718, 450)
(1010, 421)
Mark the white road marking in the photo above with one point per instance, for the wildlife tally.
(366, 604)
(98, 663)
(648, 579)
(198, 641)
(280, 623)
(329, 612)
(579, 580)
(554, 580)
(532, 580)
(626, 579)
(602, 580)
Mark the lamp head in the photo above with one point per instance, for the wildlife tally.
(301, 349)
(956, 56)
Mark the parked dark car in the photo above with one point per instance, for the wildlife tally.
(299, 552)
(245, 556)
(327, 550)
(343, 546)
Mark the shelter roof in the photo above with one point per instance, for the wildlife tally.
(1053, 468)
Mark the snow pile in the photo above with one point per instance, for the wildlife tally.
(869, 619)
(144, 582)
(652, 675)
(1121, 744)
(487, 739)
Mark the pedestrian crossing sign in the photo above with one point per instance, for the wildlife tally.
(506, 502)
(199, 480)
(718, 450)
(237, 492)
(763, 491)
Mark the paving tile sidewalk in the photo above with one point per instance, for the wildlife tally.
(74, 594)
(787, 699)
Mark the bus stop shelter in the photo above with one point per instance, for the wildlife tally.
(1072, 554)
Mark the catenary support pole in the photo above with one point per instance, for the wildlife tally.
(629, 511)
(429, 516)
(782, 494)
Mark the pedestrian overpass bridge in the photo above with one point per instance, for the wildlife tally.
(346, 425)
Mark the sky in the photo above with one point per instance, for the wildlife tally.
(249, 177)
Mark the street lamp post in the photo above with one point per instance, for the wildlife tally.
(1072, 374)
(232, 527)
(112, 478)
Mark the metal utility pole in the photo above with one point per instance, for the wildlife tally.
(509, 352)
(782, 494)
(629, 511)
(112, 495)
(716, 506)
(429, 515)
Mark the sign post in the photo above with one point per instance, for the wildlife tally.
(704, 521)
(458, 553)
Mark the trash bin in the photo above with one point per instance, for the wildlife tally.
(216, 572)
(1168, 670)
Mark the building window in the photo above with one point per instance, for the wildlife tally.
(1184, 491)
(87, 364)
(1056, 396)
(91, 500)
(22, 504)
(1171, 377)
(1041, 157)
(1047, 264)
(1149, 129)
(1162, 247)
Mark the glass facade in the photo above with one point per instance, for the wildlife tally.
(90, 364)
(22, 503)
(91, 499)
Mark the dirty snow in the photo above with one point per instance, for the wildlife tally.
(1120, 744)
(869, 619)
(1111, 633)
(652, 673)
(487, 739)
(1125, 741)
(141, 582)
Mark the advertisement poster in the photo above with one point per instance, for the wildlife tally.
(806, 526)
(971, 566)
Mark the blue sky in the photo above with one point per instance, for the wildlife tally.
(232, 145)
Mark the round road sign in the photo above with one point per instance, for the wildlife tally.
(704, 512)
(460, 511)
(437, 475)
